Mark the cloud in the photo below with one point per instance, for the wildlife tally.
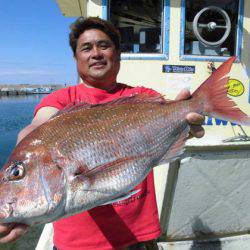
(38, 72)
(23, 73)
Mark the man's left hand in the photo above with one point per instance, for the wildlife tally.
(194, 119)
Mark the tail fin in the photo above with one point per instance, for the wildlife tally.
(213, 96)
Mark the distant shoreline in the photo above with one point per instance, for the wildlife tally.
(28, 89)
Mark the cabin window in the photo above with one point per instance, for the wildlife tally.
(211, 28)
(143, 25)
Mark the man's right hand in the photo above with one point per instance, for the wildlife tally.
(12, 231)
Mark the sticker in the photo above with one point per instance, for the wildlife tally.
(178, 69)
(235, 87)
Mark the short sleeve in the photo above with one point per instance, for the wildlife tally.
(58, 99)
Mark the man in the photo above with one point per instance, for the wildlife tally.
(96, 47)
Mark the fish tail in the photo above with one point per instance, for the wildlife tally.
(213, 98)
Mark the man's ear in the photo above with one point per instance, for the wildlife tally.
(119, 55)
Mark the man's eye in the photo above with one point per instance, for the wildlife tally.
(85, 48)
(104, 45)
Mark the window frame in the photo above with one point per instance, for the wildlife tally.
(165, 35)
(239, 32)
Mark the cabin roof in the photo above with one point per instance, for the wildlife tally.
(72, 8)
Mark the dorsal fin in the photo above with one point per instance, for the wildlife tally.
(137, 98)
(73, 107)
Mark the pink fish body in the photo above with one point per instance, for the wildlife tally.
(86, 156)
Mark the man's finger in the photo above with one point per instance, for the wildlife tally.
(183, 95)
(15, 233)
(196, 131)
(195, 118)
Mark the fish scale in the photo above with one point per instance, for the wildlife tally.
(91, 137)
(126, 144)
(123, 142)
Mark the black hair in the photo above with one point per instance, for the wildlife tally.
(81, 24)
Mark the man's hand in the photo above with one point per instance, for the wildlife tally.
(11, 232)
(195, 120)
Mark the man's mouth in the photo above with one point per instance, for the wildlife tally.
(98, 65)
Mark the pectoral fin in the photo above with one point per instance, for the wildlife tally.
(124, 197)
(177, 147)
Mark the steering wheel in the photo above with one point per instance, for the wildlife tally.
(211, 26)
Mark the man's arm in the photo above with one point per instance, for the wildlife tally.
(12, 231)
(41, 116)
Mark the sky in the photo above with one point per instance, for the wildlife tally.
(34, 45)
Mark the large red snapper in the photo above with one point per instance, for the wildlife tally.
(88, 155)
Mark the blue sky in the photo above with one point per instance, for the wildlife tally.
(34, 43)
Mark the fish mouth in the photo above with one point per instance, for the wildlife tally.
(6, 210)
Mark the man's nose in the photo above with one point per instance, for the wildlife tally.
(96, 52)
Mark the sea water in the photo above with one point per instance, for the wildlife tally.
(16, 112)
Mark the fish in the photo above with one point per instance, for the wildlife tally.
(89, 155)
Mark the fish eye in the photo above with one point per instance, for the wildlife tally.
(15, 171)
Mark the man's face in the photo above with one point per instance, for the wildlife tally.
(98, 61)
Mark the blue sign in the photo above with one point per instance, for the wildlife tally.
(218, 122)
(186, 69)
